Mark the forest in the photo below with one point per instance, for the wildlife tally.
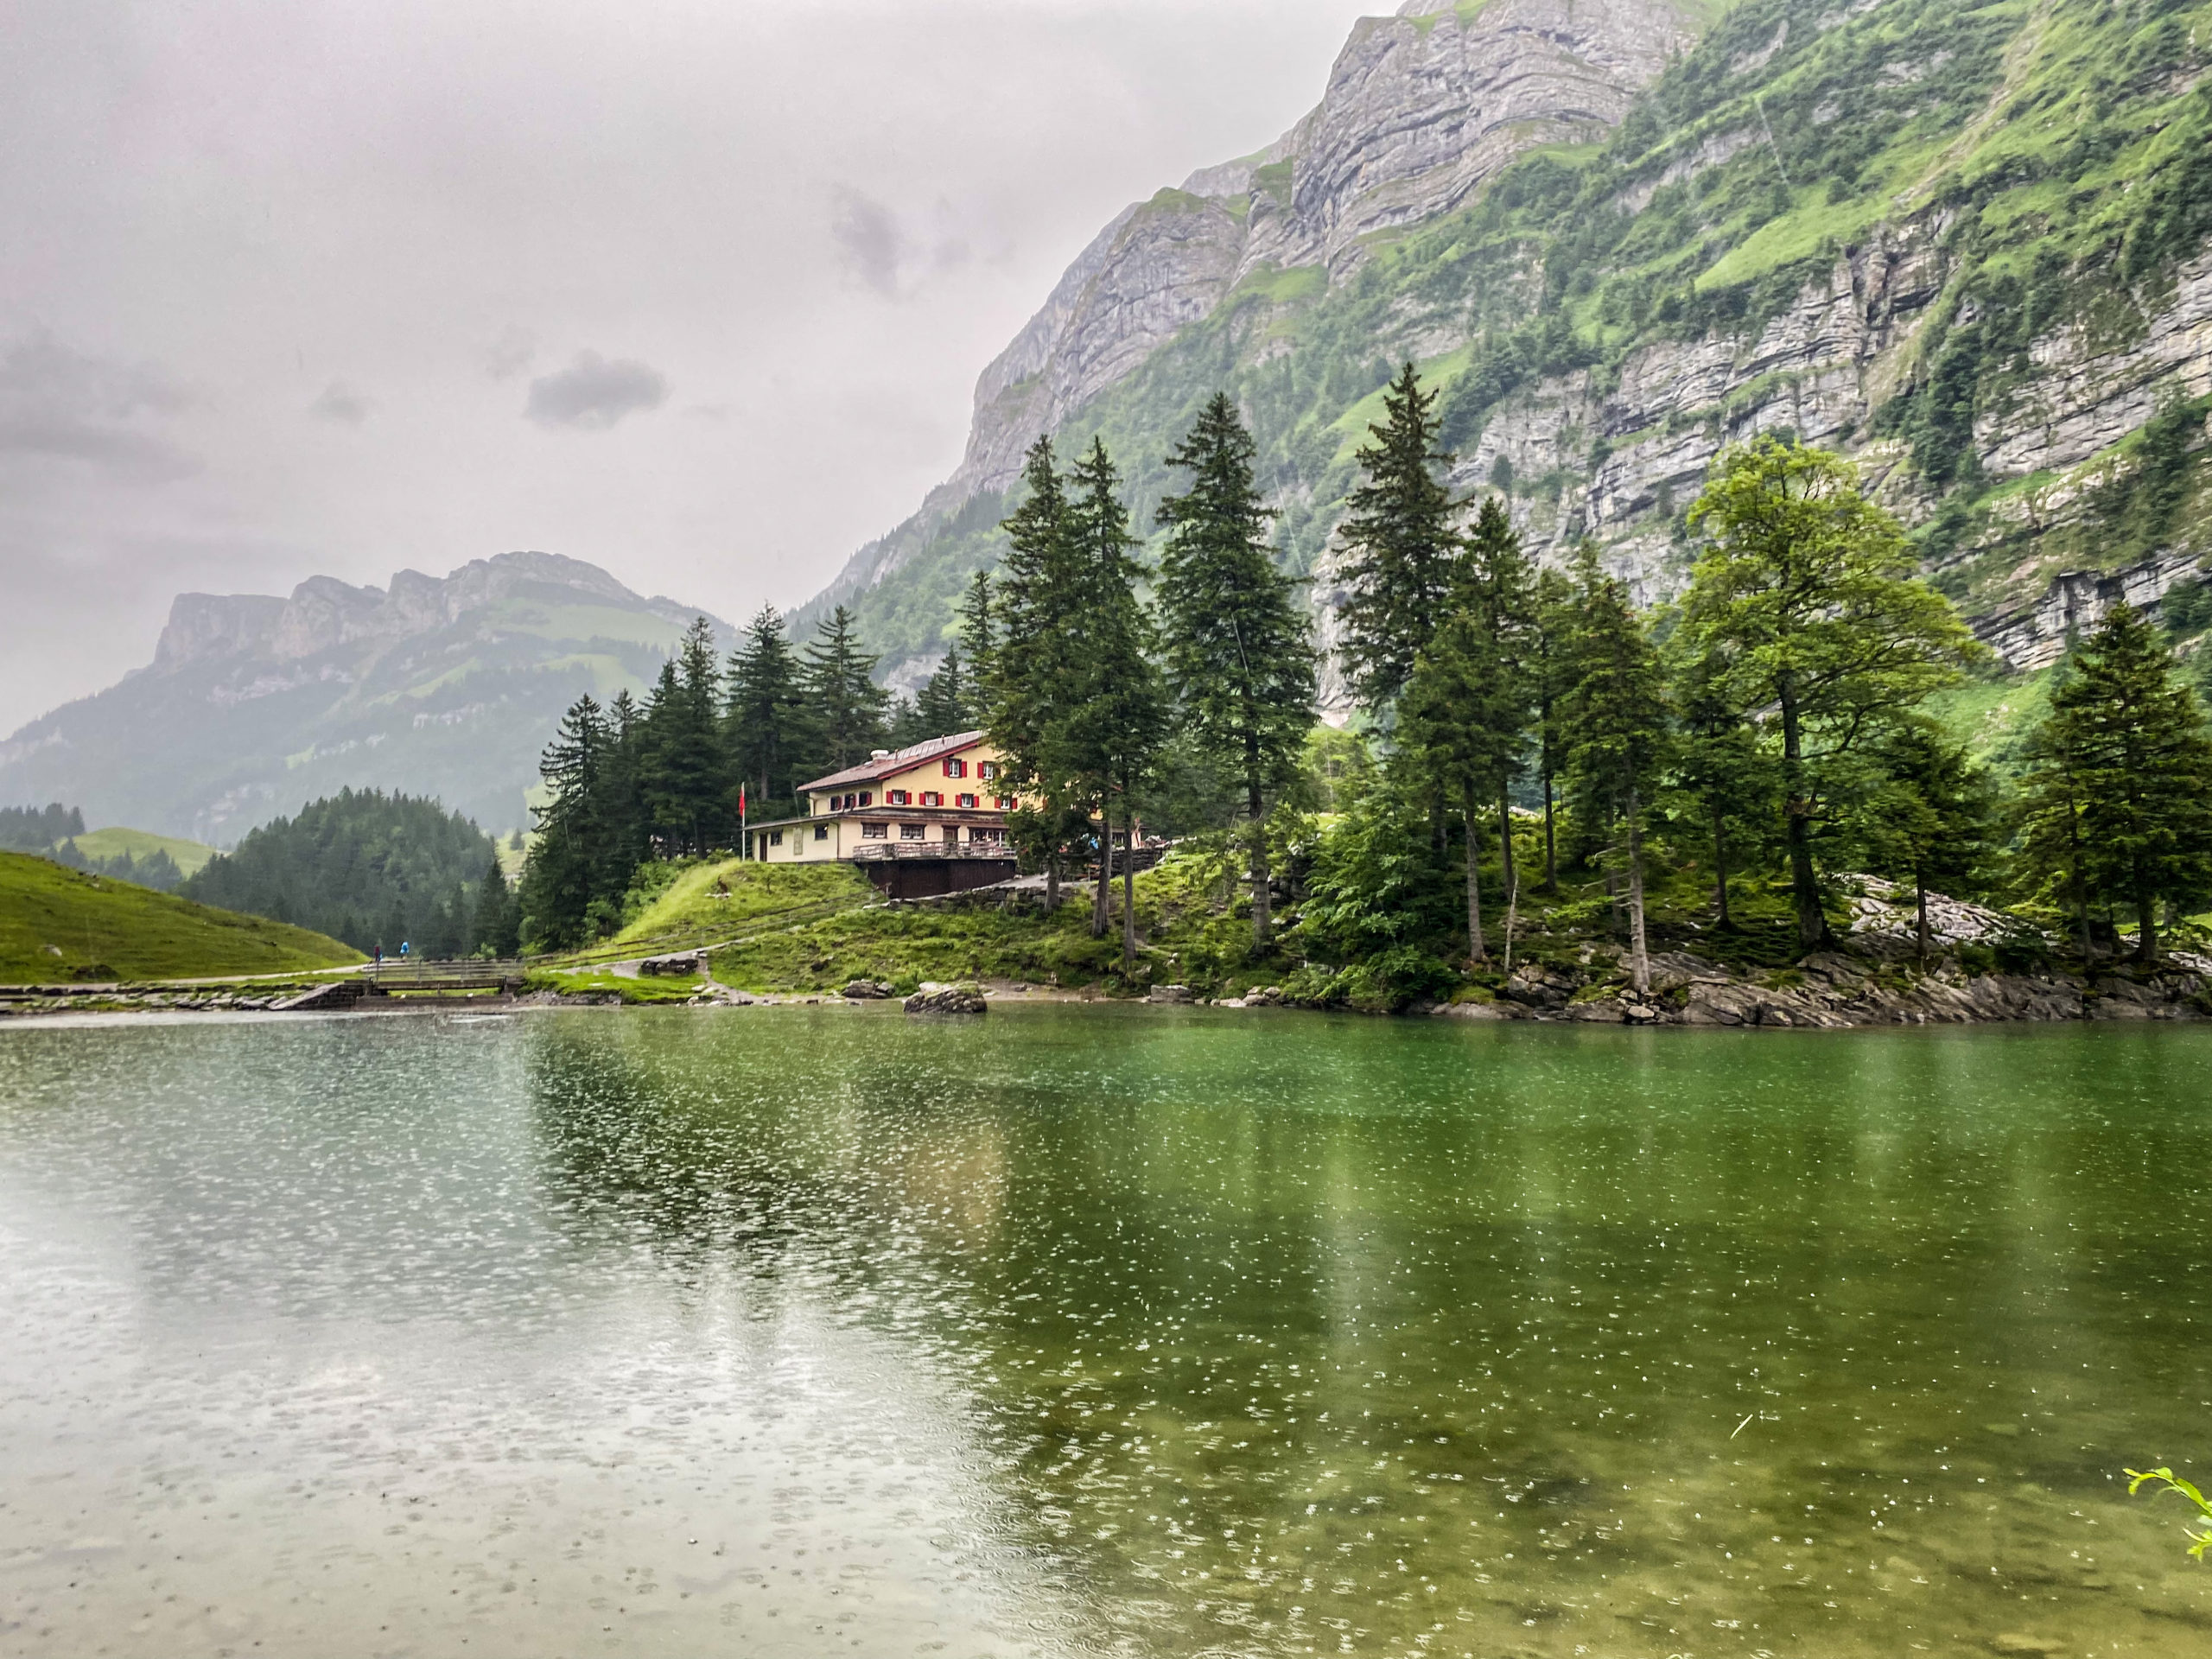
(1522, 732)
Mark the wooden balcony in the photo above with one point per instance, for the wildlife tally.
(872, 852)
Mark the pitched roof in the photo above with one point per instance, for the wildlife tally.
(898, 760)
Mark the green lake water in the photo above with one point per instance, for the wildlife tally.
(1097, 1331)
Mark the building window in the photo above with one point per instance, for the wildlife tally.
(991, 837)
(775, 837)
(822, 832)
(872, 831)
(1004, 802)
(898, 797)
(955, 767)
(965, 800)
(931, 797)
(867, 798)
(987, 770)
(910, 832)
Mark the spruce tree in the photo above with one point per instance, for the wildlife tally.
(1035, 661)
(685, 780)
(1805, 603)
(1928, 817)
(492, 928)
(1110, 731)
(1401, 549)
(1553, 622)
(2131, 741)
(1617, 712)
(1238, 647)
(565, 871)
(837, 679)
(765, 711)
(1721, 770)
(945, 705)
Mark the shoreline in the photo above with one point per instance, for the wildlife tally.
(1827, 991)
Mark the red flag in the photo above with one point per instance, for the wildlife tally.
(741, 800)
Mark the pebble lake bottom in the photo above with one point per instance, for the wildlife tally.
(1081, 1331)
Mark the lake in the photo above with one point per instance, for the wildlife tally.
(1097, 1331)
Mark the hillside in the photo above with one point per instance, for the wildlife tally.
(107, 846)
(58, 924)
(1968, 245)
(448, 688)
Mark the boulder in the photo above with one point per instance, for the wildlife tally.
(866, 991)
(948, 998)
(680, 966)
(1169, 994)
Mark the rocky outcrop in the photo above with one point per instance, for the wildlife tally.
(947, 998)
(1421, 108)
(1832, 991)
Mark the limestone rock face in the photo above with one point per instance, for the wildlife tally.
(1420, 109)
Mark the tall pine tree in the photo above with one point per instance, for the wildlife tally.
(1618, 714)
(765, 712)
(1401, 547)
(1238, 647)
(846, 705)
(2130, 741)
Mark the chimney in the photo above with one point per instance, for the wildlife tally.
(878, 754)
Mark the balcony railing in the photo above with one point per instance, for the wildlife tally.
(872, 850)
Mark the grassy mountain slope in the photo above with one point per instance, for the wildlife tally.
(2027, 177)
(58, 924)
(102, 845)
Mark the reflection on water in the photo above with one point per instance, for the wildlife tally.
(1095, 1330)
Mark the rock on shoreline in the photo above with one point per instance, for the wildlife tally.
(1828, 990)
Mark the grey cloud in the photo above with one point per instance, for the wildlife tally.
(59, 403)
(341, 404)
(870, 242)
(594, 392)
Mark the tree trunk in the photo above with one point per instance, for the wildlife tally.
(1721, 868)
(1129, 896)
(1551, 843)
(1920, 891)
(1263, 920)
(1640, 957)
(1477, 951)
(2146, 925)
(1102, 901)
(1797, 820)
(1504, 842)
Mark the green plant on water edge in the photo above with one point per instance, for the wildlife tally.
(2170, 1482)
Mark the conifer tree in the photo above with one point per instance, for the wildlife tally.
(1929, 817)
(684, 778)
(979, 632)
(1464, 717)
(848, 706)
(1110, 728)
(1401, 547)
(2132, 740)
(946, 704)
(1806, 603)
(1617, 712)
(1238, 648)
(1722, 769)
(1038, 608)
(765, 712)
(1553, 621)
(493, 926)
(565, 873)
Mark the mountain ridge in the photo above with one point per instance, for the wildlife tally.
(1970, 247)
(442, 686)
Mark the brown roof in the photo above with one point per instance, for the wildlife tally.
(897, 761)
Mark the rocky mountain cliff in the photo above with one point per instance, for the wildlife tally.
(448, 687)
(1970, 245)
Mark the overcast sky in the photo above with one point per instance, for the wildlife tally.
(696, 290)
